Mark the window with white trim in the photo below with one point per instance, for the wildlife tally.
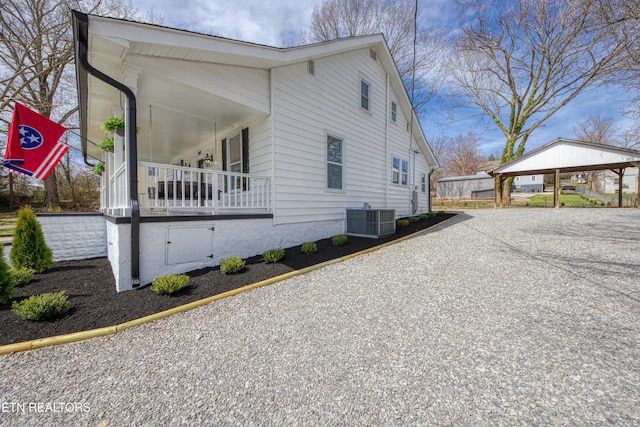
(335, 163)
(423, 181)
(533, 177)
(399, 171)
(394, 112)
(365, 95)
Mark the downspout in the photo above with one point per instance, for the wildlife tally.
(132, 158)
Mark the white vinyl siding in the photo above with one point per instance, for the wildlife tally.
(305, 110)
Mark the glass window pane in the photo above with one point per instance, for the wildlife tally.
(334, 176)
(405, 166)
(396, 163)
(334, 149)
(235, 149)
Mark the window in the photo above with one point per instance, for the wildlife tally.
(335, 163)
(394, 112)
(404, 172)
(423, 181)
(399, 171)
(373, 54)
(235, 158)
(365, 95)
(533, 177)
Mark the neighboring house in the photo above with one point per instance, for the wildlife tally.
(479, 186)
(233, 148)
(609, 181)
(529, 183)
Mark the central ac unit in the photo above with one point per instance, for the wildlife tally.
(372, 223)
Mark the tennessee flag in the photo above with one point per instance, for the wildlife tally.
(32, 143)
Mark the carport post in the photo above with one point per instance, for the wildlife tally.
(556, 190)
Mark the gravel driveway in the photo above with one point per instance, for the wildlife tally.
(514, 316)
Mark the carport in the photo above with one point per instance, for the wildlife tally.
(567, 155)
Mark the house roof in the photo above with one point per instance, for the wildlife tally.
(110, 40)
(569, 155)
(466, 177)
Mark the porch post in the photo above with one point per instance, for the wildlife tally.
(556, 190)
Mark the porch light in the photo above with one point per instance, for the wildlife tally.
(208, 159)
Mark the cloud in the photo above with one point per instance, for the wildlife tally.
(269, 23)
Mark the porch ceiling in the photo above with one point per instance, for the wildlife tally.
(172, 116)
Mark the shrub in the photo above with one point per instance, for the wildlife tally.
(29, 249)
(424, 216)
(39, 307)
(440, 212)
(6, 284)
(414, 219)
(169, 283)
(431, 214)
(339, 239)
(232, 265)
(309, 248)
(403, 222)
(20, 276)
(273, 255)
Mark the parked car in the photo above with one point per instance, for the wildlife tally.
(567, 189)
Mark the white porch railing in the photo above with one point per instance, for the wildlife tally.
(177, 189)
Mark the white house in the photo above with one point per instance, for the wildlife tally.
(232, 148)
(529, 183)
(610, 181)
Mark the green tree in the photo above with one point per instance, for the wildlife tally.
(29, 249)
(6, 284)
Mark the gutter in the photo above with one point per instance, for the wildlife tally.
(81, 36)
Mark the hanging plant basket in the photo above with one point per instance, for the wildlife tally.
(98, 168)
(113, 124)
(106, 145)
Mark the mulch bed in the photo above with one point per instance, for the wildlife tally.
(91, 288)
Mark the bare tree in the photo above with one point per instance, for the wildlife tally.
(463, 156)
(335, 19)
(522, 61)
(600, 130)
(36, 51)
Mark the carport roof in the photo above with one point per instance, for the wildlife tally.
(569, 155)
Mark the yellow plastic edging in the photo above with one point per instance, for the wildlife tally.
(110, 330)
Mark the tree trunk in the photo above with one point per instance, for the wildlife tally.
(51, 191)
(506, 192)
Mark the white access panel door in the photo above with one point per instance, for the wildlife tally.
(189, 243)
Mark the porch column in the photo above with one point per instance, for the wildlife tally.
(620, 173)
(556, 190)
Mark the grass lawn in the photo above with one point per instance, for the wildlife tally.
(574, 200)
(8, 222)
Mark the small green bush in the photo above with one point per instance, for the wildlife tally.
(403, 222)
(44, 306)
(440, 212)
(169, 283)
(309, 248)
(273, 255)
(29, 248)
(414, 219)
(339, 239)
(6, 283)
(20, 276)
(424, 216)
(431, 214)
(232, 265)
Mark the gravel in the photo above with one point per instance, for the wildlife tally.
(501, 317)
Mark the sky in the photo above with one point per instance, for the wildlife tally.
(279, 23)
